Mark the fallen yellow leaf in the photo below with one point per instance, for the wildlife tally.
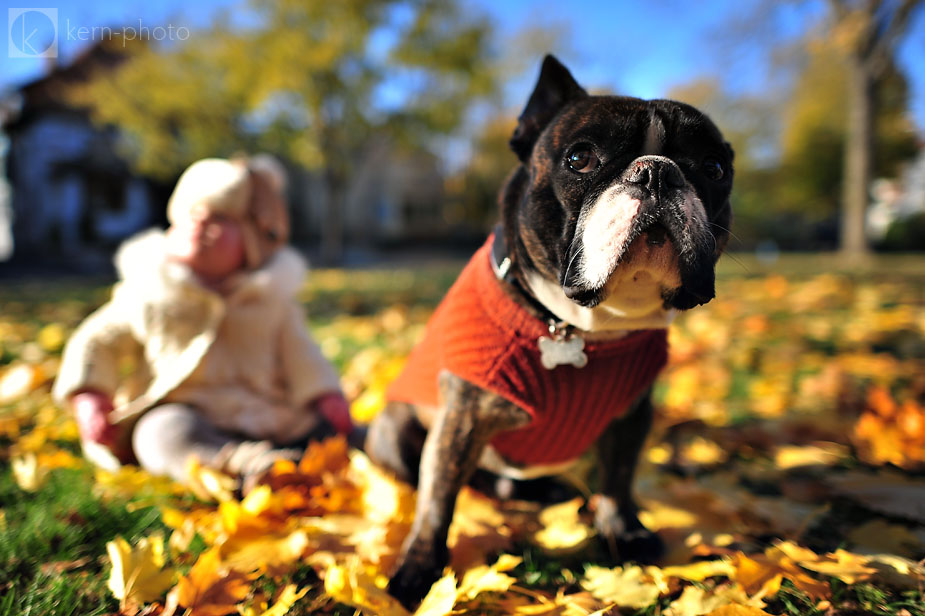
(354, 585)
(563, 529)
(761, 575)
(138, 574)
(846, 566)
(209, 589)
(19, 380)
(287, 598)
(27, 472)
(700, 571)
(384, 498)
(758, 578)
(625, 586)
(486, 578)
(657, 515)
(898, 572)
(820, 454)
(209, 484)
(51, 337)
(737, 610)
(440, 599)
(695, 601)
(265, 552)
(703, 452)
(478, 529)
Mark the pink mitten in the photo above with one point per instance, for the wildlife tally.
(91, 410)
(334, 408)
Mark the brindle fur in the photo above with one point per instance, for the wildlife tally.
(439, 449)
(471, 417)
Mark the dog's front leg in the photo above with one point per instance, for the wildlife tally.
(616, 515)
(470, 417)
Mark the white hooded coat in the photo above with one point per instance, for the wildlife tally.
(243, 358)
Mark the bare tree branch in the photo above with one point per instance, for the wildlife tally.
(879, 59)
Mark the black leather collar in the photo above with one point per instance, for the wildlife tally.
(500, 261)
(501, 265)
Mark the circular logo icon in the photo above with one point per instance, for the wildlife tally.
(33, 32)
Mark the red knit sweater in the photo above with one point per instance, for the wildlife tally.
(482, 335)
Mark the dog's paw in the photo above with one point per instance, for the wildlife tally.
(625, 539)
(640, 545)
(411, 583)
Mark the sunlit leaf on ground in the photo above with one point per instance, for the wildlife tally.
(898, 572)
(842, 565)
(440, 599)
(563, 529)
(18, 381)
(284, 602)
(210, 589)
(31, 469)
(29, 476)
(479, 528)
(353, 584)
(209, 484)
(819, 454)
(626, 586)
(696, 601)
(891, 432)
(138, 574)
(486, 578)
(700, 570)
(761, 575)
(737, 610)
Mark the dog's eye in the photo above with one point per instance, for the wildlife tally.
(583, 161)
(713, 169)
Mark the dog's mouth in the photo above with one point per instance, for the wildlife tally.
(662, 265)
(656, 235)
(646, 274)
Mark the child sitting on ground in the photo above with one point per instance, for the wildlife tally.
(221, 366)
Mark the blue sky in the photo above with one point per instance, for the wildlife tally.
(635, 48)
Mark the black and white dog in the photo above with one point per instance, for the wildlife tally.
(549, 341)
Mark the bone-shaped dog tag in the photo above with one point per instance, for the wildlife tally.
(562, 352)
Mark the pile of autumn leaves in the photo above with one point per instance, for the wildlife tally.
(341, 515)
(820, 368)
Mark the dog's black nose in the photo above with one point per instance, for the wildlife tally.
(655, 173)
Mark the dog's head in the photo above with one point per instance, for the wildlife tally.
(617, 200)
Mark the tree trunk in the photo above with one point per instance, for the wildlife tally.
(858, 164)
(332, 224)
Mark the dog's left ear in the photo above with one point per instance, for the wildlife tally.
(553, 90)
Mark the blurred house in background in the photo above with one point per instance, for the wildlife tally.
(72, 197)
(394, 200)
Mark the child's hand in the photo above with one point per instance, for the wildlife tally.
(334, 408)
(91, 409)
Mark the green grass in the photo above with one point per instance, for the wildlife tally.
(53, 542)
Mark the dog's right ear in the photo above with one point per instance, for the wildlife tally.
(553, 90)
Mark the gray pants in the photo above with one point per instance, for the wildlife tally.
(167, 436)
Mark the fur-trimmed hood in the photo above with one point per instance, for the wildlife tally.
(143, 260)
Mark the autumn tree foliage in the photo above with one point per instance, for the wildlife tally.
(314, 82)
(791, 140)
